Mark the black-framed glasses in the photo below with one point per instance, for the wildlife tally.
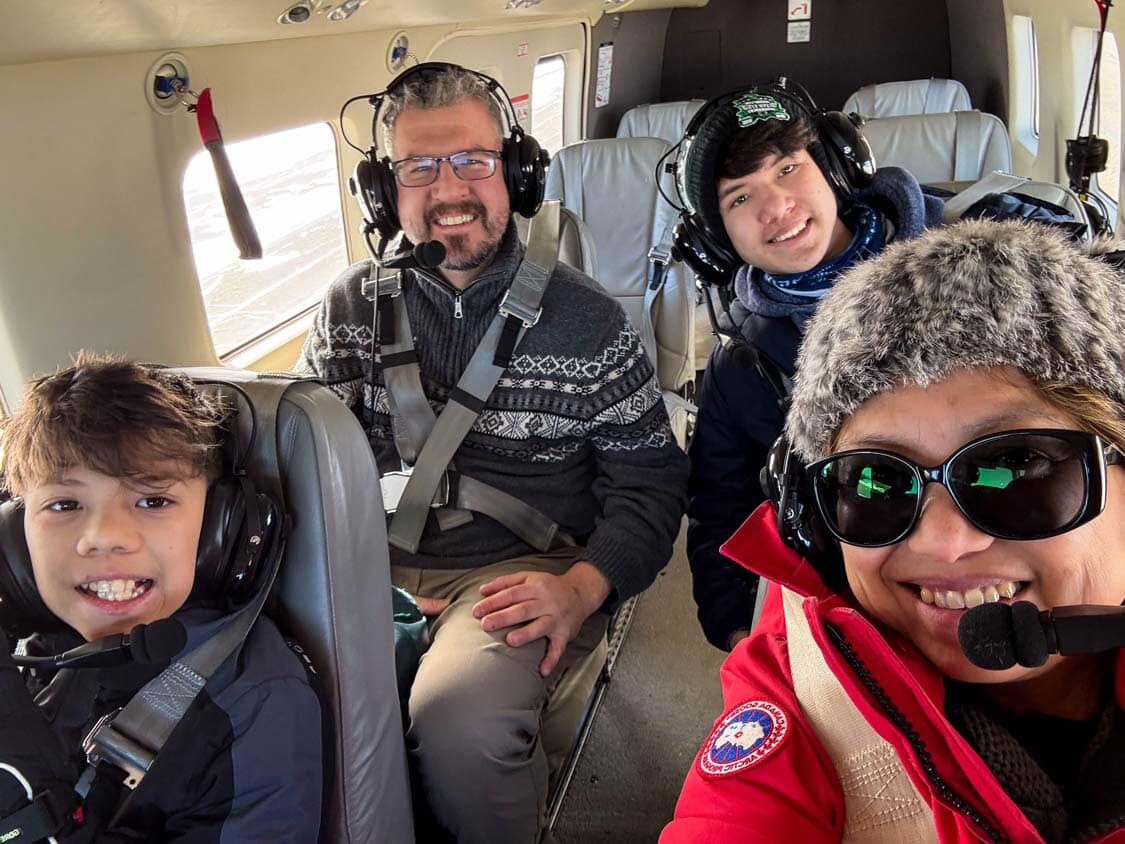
(1026, 484)
(421, 170)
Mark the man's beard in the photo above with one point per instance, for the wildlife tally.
(457, 254)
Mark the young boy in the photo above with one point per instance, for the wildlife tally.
(112, 462)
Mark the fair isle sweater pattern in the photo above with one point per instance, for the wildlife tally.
(576, 426)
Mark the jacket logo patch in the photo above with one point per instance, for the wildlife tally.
(743, 738)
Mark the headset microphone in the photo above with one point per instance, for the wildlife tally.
(998, 636)
(145, 644)
(401, 253)
(429, 254)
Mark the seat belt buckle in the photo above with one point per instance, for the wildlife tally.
(104, 743)
(510, 307)
(393, 485)
(389, 286)
(660, 254)
(659, 257)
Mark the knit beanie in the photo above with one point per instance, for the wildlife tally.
(978, 294)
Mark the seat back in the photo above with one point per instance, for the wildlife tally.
(956, 146)
(916, 96)
(333, 596)
(666, 121)
(609, 183)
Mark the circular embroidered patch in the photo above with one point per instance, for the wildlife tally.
(746, 736)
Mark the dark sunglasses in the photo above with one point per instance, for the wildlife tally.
(1025, 484)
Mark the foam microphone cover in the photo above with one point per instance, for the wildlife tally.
(985, 635)
(158, 642)
(1028, 634)
(429, 254)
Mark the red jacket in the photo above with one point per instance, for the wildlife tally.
(763, 774)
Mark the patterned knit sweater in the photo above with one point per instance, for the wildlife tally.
(576, 426)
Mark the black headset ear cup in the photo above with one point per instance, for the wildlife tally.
(525, 172)
(712, 262)
(374, 187)
(785, 482)
(850, 158)
(223, 517)
(22, 611)
(240, 527)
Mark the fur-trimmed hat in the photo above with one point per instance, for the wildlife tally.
(980, 293)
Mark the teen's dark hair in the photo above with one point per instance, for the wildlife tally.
(750, 147)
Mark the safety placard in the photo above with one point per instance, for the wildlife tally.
(522, 106)
(799, 10)
(605, 72)
(799, 32)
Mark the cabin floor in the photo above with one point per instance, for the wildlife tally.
(662, 701)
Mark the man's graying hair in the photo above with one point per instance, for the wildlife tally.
(435, 89)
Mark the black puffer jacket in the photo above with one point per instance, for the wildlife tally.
(740, 418)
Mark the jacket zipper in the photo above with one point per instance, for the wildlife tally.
(457, 312)
(948, 796)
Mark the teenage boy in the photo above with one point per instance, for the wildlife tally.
(112, 462)
(787, 189)
(796, 233)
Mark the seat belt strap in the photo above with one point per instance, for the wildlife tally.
(131, 739)
(466, 401)
(967, 145)
(994, 182)
(659, 257)
(935, 94)
(881, 802)
(533, 527)
(865, 100)
(412, 417)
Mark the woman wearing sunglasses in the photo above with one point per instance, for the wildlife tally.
(956, 428)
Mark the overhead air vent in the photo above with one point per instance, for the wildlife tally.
(167, 74)
(303, 10)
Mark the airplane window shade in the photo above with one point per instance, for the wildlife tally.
(547, 89)
(1026, 99)
(291, 184)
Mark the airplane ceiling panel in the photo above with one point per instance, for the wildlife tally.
(64, 29)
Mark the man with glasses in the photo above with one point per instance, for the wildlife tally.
(575, 427)
(953, 469)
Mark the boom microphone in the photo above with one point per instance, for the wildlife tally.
(998, 636)
(400, 253)
(147, 644)
(429, 254)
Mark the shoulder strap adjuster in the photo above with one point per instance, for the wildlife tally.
(106, 744)
(510, 306)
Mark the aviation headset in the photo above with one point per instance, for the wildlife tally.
(240, 529)
(523, 162)
(840, 151)
(786, 485)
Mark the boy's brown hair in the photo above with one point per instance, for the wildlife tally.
(111, 416)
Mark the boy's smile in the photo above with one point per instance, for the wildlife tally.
(110, 553)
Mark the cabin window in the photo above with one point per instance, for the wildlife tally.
(291, 184)
(1026, 99)
(547, 102)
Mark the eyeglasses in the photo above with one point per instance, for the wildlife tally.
(421, 170)
(1025, 484)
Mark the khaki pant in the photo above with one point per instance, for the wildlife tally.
(485, 729)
